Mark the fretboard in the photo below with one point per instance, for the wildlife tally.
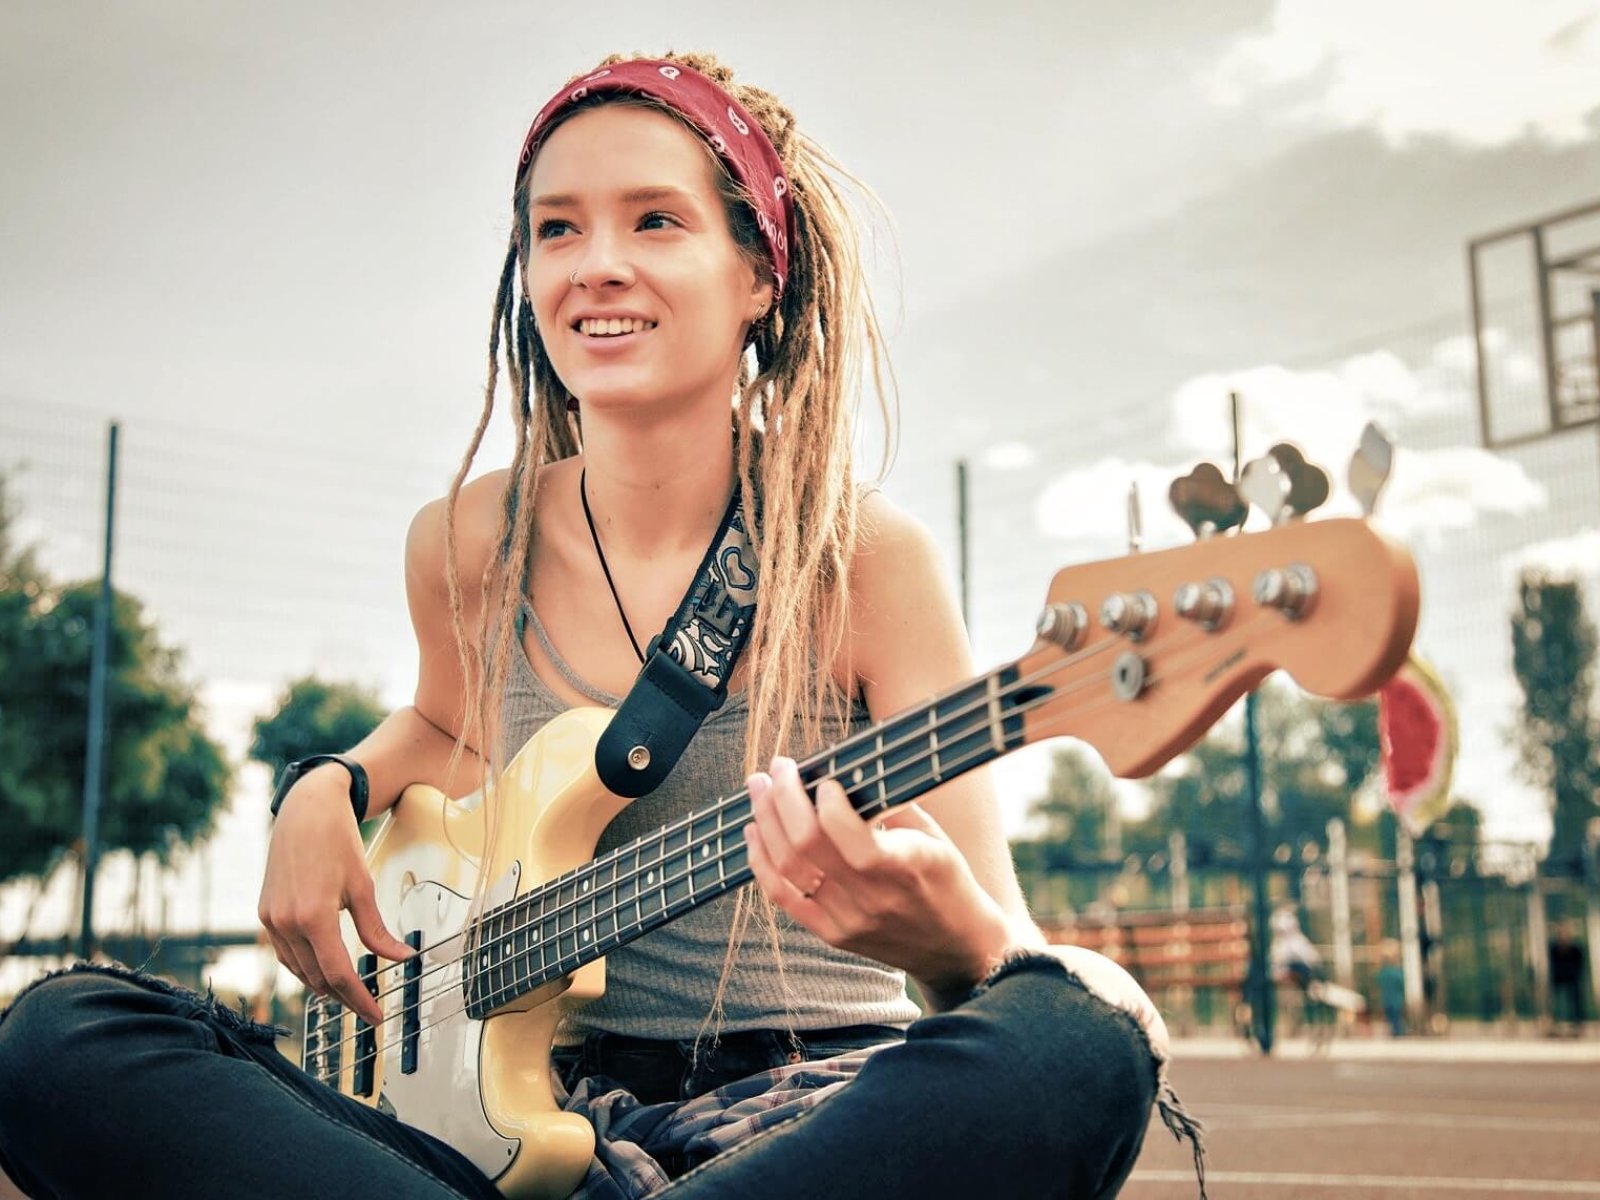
(578, 917)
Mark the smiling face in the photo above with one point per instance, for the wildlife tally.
(624, 199)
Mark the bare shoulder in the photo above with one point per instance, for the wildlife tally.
(896, 557)
(477, 522)
(907, 636)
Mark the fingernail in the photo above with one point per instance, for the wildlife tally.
(782, 764)
(759, 784)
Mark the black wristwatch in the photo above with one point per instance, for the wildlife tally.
(358, 781)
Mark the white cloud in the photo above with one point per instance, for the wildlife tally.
(1441, 491)
(1576, 555)
(1089, 506)
(1481, 73)
(1009, 456)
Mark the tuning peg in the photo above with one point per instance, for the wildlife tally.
(1135, 519)
(1370, 466)
(1206, 501)
(1308, 483)
(1265, 484)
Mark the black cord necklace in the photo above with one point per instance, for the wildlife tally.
(583, 495)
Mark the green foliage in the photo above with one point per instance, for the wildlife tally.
(1558, 732)
(314, 717)
(1078, 801)
(1315, 755)
(163, 777)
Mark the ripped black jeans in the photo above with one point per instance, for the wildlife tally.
(119, 1085)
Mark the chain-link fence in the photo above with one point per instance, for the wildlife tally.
(277, 555)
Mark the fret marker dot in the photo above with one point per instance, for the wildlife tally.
(705, 851)
(857, 775)
(650, 877)
(584, 886)
(586, 935)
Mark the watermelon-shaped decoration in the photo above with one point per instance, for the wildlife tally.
(1417, 732)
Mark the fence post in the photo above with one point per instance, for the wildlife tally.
(1591, 839)
(1538, 949)
(1410, 941)
(1344, 967)
(94, 755)
(1178, 854)
(964, 543)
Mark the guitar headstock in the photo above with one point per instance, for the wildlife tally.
(1140, 655)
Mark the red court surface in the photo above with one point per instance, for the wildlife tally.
(1382, 1121)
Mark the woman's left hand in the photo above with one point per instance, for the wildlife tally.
(898, 891)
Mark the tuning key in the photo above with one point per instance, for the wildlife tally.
(1207, 501)
(1291, 590)
(1063, 624)
(1208, 604)
(1370, 466)
(1308, 483)
(1132, 614)
(1265, 484)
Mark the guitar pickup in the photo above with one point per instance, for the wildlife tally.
(411, 1006)
(366, 1035)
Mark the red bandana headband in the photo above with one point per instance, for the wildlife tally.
(732, 132)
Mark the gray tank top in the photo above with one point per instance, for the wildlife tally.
(662, 985)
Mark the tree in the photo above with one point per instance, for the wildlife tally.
(1558, 732)
(164, 777)
(314, 716)
(1315, 755)
(1079, 803)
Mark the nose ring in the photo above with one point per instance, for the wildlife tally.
(573, 279)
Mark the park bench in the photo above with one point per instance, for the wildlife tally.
(1203, 949)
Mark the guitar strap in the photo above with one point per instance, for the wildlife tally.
(685, 676)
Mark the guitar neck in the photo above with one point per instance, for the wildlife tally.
(578, 917)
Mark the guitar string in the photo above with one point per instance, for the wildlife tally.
(379, 1051)
(732, 802)
(735, 801)
(721, 807)
(498, 996)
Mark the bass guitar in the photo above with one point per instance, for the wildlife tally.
(1175, 637)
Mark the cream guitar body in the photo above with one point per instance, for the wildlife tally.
(463, 1051)
(483, 1086)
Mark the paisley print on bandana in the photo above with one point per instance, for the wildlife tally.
(728, 129)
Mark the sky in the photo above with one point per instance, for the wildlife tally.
(265, 238)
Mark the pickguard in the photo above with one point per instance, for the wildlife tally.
(443, 1096)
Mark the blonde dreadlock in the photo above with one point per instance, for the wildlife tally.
(794, 416)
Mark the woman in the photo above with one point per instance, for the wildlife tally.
(683, 318)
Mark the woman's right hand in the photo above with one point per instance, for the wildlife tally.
(316, 866)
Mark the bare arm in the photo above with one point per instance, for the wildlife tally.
(935, 890)
(316, 861)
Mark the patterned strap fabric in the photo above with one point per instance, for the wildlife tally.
(686, 674)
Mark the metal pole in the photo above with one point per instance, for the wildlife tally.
(1258, 982)
(1547, 341)
(94, 758)
(963, 543)
(1405, 861)
(1263, 998)
(1344, 963)
(1178, 853)
(1485, 434)
(1591, 868)
(1539, 949)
